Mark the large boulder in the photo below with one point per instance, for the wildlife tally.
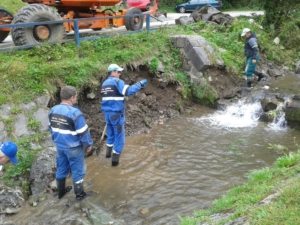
(184, 20)
(293, 112)
(211, 14)
(269, 103)
(42, 170)
(197, 51)
(11, 199)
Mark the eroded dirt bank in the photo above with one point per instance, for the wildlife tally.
(159, 101)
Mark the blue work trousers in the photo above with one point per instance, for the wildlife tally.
(70, 160)
(115, 130)
(250, 68)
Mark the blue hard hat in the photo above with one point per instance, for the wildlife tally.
(114, 67)
(10, 149)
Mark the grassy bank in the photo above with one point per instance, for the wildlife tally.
(29, 73)
(280, 183)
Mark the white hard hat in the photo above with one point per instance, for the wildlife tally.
(245, 30)
(114, 67)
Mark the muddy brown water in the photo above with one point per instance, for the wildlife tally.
(287, 84)
(181, 166)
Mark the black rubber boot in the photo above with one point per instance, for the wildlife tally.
(61, 187)
(79, 192)
(108, 151)
(115, 159)
(249, 83)
(259, 75)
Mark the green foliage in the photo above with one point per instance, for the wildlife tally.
(9, 122)
(153, 65)
(26, 155)
(26, 74)
(261, 175)
(243, 4)
(12, 5)
(288, 160)
(183, 80)
(290, 31)
(170, 3)
(245, 200)
(34, 125)
(204, 94)
(276, 12)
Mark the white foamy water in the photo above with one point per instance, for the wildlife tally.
(239, 115)
(279, 123)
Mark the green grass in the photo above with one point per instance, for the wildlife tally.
(244, 200)
(26, 74)
(26, 155)
(12, 5)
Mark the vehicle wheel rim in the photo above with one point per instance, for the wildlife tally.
(42, 32)
(136, 20)
(181, 10)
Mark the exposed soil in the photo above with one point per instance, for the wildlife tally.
(156, 103)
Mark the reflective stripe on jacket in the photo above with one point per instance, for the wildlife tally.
(68, 127)
(113, 93)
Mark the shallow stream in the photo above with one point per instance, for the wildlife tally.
(185, 164)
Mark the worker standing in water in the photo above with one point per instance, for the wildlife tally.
(113, 91)
(72, 138)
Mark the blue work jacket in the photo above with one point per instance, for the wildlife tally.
(68, 127)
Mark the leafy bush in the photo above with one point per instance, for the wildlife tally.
(204, 94)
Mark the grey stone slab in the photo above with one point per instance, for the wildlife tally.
(28, 107)
(5, 111)
(43, 100)
(20, 127)
(3, 133)
(41, 115)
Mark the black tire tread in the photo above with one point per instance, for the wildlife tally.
(26, 14)
(128, 19)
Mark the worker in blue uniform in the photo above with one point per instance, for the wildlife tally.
(113, 91)
(72, 138)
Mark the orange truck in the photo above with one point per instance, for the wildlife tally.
(111, 13)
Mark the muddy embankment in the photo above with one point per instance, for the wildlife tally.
(159, 101)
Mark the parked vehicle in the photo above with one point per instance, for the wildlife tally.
(57, 10)
(5, 18)
(191, 5)
(143, 5)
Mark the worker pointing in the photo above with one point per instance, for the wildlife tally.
(113, 93)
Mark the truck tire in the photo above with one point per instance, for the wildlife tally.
(53, 33)
(134, 19)
(4, 13)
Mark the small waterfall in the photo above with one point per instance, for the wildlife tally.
(279, 123)
(239, 115)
